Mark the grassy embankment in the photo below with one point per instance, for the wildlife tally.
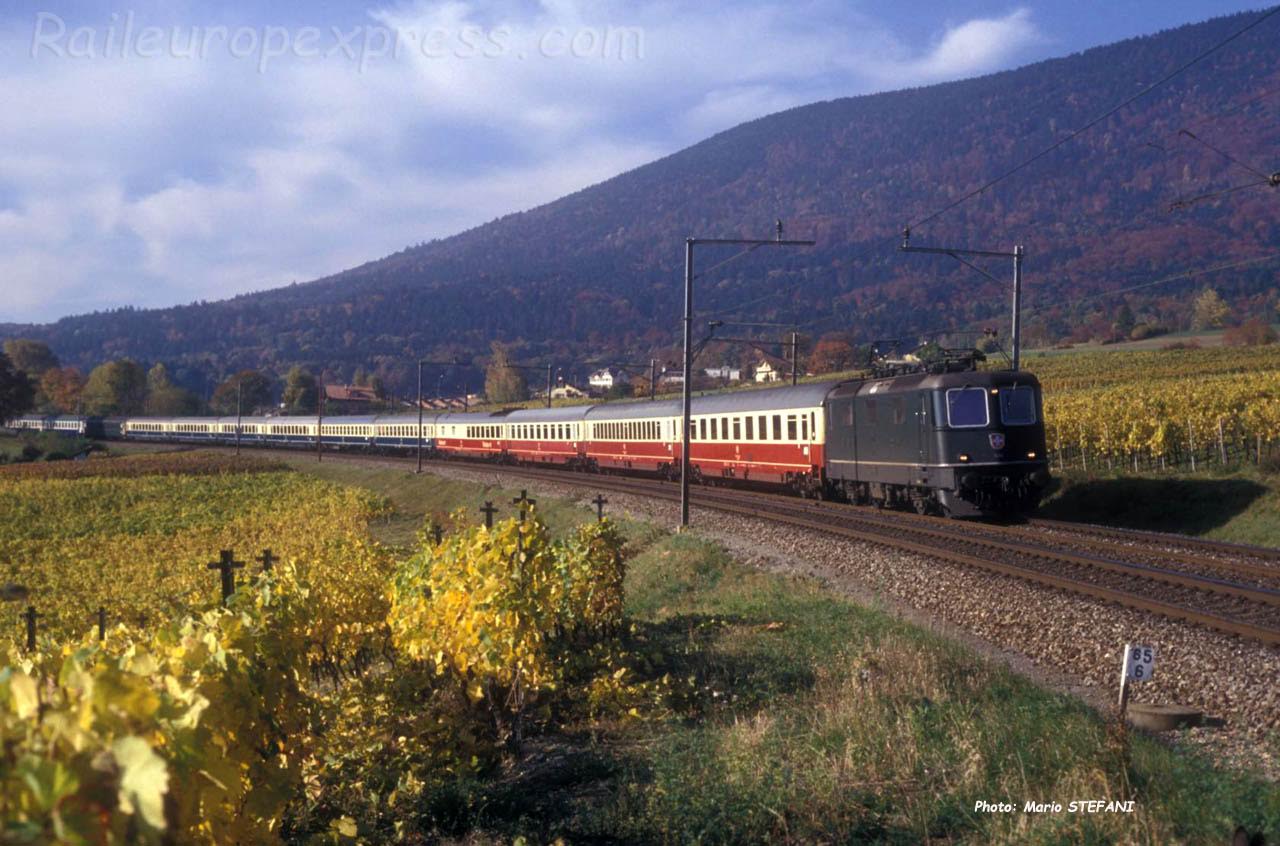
(1110, 398)
(39, 447)
(1237, 505)
(805, 717)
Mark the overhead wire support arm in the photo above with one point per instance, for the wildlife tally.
(687, 389)
(957, 253)
(1255, 171)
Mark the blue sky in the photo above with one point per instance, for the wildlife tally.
(164, 152)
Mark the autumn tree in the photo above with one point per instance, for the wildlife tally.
(1254, 332)
(117, 387)
(300, 392)
(831, 355)
(246, 391)
(1124, 321)
(17, 392)
(167, 399)
(502, 381)
(61, 388)
(31, 357)
(1210, 311)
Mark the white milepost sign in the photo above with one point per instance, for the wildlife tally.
(1139, 661)
(1139, 666)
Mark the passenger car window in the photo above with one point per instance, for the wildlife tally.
(967, 407)
(1018, 406)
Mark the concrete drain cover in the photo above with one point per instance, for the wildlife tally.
(1163, 717)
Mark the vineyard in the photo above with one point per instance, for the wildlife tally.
(324, 698)
(1158, 410)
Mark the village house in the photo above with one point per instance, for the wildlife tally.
(605, 380)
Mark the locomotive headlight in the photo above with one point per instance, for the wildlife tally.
(964, 456)
(995, 391)
(1031, 455)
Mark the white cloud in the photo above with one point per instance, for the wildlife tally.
(163, 180)
(978, 46)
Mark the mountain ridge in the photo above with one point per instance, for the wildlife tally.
(598, 271)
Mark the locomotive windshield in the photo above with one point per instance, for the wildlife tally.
(1018, 406)
(967, 407)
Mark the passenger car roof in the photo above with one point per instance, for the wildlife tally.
(808, 395)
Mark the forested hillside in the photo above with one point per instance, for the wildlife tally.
(598, 273)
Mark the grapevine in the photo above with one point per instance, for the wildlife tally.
(1164, 405)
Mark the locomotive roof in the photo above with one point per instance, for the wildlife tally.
(936, 381)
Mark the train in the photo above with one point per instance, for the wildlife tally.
(97, 428)
(957, 444)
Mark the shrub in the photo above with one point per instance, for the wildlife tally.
(500, 611)
(1193, 344)
(1255, 332)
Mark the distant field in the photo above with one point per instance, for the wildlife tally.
(1204, 338)
(134, 535)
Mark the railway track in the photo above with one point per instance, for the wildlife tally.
(1192, 591)
(1230, 588)
(1213, 547)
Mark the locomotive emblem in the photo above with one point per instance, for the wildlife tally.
(996, 439)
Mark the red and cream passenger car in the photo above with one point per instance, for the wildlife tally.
(773, 436)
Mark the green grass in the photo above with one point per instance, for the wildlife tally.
(418, 497)
(43, 446)
(798, 716)
(1240, 505)
(11, 447)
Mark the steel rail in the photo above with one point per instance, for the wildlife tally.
(1265, 553)
(1086, 538)
(1126, 568)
